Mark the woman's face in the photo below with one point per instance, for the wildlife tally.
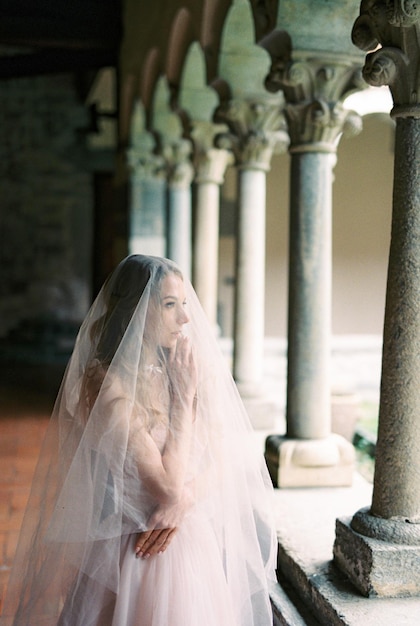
(172, 303)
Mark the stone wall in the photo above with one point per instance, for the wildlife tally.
(45, 203)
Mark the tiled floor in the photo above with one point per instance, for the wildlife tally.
(23, 419)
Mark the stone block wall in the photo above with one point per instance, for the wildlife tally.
(46, 203)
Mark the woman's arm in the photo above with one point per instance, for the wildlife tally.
(164, 473)
(164, 521)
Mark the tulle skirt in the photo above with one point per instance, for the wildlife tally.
(184, 586)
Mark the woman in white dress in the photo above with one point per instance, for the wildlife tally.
(149, 506)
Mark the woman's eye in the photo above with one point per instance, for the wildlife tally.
(169, 305)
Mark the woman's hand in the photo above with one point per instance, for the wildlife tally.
(182, 372)
(151, 542)
(164, 522)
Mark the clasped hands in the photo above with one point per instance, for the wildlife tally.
(151, 542)
(164, 524)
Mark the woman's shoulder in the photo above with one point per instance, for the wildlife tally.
(95, 372)
(105, 385)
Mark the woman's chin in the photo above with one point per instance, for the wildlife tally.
(168, 345)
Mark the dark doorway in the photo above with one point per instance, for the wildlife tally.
(110, 236)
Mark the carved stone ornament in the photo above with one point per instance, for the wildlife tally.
(257, 129)
(314, 89)
(390, 29)
(318, 126)
(142, 159)
(177, 156)
(210, 162)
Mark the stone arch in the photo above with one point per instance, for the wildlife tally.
(212, 22)
(196, 100)
(242, 64)
(180, 37)
(164, 123)
(152, 69)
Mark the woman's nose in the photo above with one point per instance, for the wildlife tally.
(183, 316)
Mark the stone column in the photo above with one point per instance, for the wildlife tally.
(257, 129)
(210, 166)
(310, 274)
(379, 549)
(179, 235)
(310, 454)
(153, 223)
(248, 357)
(147, 232)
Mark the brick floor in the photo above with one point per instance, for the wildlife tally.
(24, 417)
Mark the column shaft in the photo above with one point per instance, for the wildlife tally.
(206, 247)
(179, 227)
(309, 454)
(386, 536)
(147, 216)
(308, 387)
(397, 470)
(250, 287)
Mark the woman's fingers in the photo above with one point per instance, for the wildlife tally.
(142, 542)
(153, 542)
(183, 349)
(167, 537)
(182, 369)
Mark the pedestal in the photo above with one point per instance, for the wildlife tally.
(376, 567)
(327, 462)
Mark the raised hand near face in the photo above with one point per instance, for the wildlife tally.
(182, 372)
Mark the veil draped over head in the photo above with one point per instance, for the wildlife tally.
(95, 484)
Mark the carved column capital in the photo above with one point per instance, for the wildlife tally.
(177, 156)
(394, 25)
(317, 126)
(257, 128)
(210, 162)
(143, 160)
(314, 88)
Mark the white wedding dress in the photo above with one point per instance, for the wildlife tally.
(184, 586)
(125, 452)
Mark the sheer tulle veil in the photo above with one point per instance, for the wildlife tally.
(88, 492)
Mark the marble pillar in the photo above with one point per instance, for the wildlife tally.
(309, 454)
(210, 164)
(257, 129)
(206, 247)
(250, 286)
(309, 319)
(179, 233)
(147, 212)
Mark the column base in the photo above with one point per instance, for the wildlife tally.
(327, 462)
(375, 567)
(249, 390)
(261, 411)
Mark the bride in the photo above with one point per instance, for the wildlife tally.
(149, 506)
